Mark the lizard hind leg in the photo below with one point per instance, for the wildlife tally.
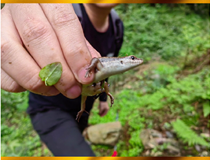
(79, 114)
(106, 87)
(111, 98)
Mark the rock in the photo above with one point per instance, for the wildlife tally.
(156, 153)
(173, 150)
(155, 76)
(205, 135)
(204, 154)
(147, 138)
(153, 139)
(198, 148)
(169, 134)
(106, 133)
(147, 153)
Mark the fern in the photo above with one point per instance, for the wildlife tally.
(206, 109)
(187, 134)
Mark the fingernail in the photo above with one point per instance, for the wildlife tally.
(81, 76)
(73, 92)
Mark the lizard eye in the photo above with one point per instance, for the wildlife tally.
(132, 57)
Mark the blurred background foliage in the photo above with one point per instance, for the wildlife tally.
(168, 94)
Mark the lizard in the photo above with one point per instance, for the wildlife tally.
(103, 68)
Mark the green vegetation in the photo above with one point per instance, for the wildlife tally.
(163, 31)
(187, 134)
(170, 92)
(177, 99)
(17, 135)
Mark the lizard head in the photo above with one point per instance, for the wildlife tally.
(114, 65)
(130, 62)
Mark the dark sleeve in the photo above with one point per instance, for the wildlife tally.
(103, 96)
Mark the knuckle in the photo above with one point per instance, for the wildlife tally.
(65, 81)
(8, 84)
(63, 17)
(5, 48)
(13, 87)
(77, 49)
(33, 84)
(34, 29)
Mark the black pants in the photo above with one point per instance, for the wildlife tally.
(61, 133)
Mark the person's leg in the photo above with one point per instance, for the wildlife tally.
(61, 133)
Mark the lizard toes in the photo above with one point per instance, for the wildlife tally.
(87, 112)
(79, 114)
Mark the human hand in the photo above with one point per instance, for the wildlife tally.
(34, 35)
(103, 108)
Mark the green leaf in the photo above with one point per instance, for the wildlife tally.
(187, 134)
(206, 109)
(51, 73)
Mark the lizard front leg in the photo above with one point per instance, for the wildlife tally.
(79, 114)
(106, 88)
(94, 64)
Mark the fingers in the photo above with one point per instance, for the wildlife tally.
(103, 108)
(103, 113)
(50, 33)
(16, 63)
(8, 84)
(54, 34)
(41, 41)
(68, 29)
(93, 52)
